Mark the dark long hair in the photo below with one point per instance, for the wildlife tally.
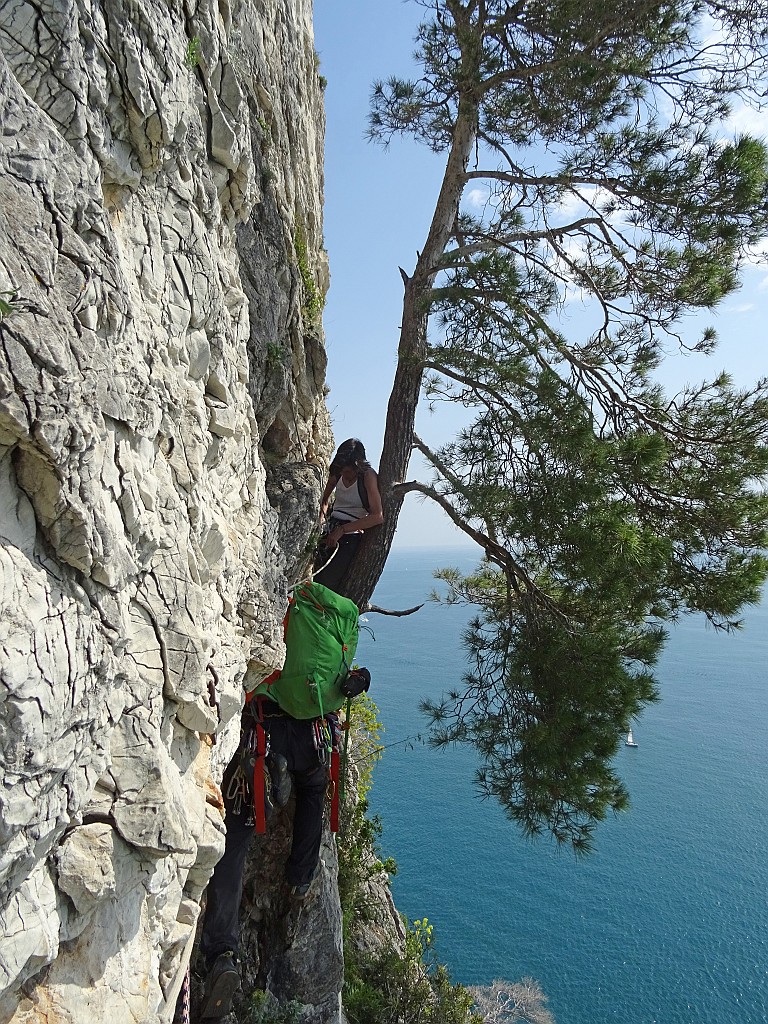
(350, 453)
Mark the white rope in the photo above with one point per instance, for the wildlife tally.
(311, 576)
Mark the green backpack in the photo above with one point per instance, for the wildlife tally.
(321, 636)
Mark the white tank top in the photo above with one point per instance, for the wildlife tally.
(346, 503)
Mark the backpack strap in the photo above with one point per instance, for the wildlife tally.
(362, 491)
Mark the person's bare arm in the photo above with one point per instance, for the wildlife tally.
(374, 516)
(330, 487)
(375, 512)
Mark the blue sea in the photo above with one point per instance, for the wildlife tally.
(667, 921)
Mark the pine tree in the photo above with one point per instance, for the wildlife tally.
(605, 507)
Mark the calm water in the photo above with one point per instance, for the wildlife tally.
(666, 923)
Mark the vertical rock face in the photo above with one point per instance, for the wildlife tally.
(162, 425)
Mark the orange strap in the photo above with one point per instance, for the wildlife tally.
(259, 809)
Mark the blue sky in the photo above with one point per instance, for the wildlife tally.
(377, 208)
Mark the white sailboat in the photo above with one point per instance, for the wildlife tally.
(630, 740)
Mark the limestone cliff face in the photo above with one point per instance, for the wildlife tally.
(162, 428)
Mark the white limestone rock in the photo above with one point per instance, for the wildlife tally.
(148, 229)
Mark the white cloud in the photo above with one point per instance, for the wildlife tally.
(477, 197)
(746, 120)
(584, 201)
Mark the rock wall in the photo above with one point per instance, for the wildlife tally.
(162, 431)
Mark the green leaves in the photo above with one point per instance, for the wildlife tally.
(8, 300)
(599, 536)
(612, 204)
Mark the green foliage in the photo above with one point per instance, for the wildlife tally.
(605, 507)
(193, 53)
(601, 539)
(263, 1008)
(408, 988)
(359, 852)
(321, 78)
(266, 130)
(366, 730)
(276, 354)
(8, 303)
(314, 301)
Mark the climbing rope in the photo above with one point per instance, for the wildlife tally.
(325, 564)
(185, 998)
(182, 1012)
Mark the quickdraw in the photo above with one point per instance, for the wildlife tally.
(246, 787)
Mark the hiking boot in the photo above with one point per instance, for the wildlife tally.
(221, 984)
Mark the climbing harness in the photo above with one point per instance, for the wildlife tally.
(252, 785)
(248, 785)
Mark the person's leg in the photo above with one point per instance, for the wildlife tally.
(334, 574)
(310, 779)
(294, 740)
(221, 927)
(311, 785)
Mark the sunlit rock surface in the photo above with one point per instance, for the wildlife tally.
(162, 433)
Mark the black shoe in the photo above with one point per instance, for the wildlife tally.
(222, 983)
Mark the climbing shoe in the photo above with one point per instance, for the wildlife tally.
(302, 893)
(221, 984)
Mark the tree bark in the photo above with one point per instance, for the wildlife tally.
(412, 352)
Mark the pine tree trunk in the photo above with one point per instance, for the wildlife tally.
(406, 389)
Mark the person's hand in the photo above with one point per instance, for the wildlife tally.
(333, 538)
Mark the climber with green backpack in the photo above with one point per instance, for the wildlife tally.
(290, 739)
